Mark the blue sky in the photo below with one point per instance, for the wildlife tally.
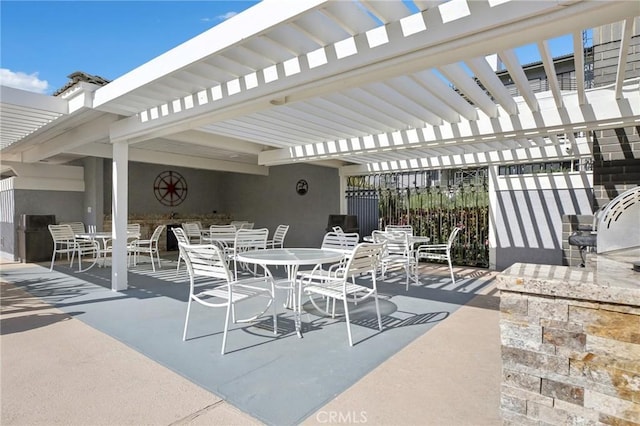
(42, 42)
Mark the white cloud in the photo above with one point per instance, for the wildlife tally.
(20, 80)
(226, 16)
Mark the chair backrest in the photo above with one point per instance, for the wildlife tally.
(205, 260)
(77, 227)
(61, 233)
(247, 225)
(157, 232)
(133, 228)
(453, 236)
(222, 229)
(251, 239)
(192, 230)
(396, 242)
(364, 259)
(402, 228)
(280, 233)
(238, 223)
(338, 229)
(340, 241)
(181, 236)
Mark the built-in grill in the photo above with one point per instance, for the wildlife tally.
(616, 227)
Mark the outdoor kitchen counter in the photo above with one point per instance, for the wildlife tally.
(608, 278)
(570, 345)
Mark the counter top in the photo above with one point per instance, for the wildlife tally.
(608, 278)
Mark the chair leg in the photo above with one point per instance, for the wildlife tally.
(226, 327)
(53, 258)
(375, 297)
(178, 266)
(346, 314)
(186, 321)
(453, 278)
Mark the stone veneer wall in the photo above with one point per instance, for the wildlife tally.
(568, 361)
(149, 223)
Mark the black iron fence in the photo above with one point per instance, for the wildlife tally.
(433, 202)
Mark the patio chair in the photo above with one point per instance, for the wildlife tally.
(65, 241)
(246, 239)
(238, 223)
(439, 251)
(399, 228)
(341, 242)
(77, 227)
(182, 238)
(247, 225)
(221, 290)
(222, 235)
(149, 247)
(398, 251)
(337, 286)
(278, 237)
(193, 231)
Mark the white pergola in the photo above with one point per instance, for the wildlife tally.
(362, 85)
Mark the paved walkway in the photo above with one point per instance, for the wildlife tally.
(57, 370)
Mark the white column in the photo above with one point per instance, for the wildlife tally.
(493, 210)
(343, 193)
(119, 214)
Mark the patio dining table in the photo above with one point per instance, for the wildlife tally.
(292, 259)
(102, 238)
(413, 239)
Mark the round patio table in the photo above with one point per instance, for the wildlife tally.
(291, 259)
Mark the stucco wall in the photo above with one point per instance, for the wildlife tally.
(67, 206)
(272, 200)
(527, 212)
(204, 190)
(265, 200)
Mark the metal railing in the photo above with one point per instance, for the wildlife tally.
(433, 202)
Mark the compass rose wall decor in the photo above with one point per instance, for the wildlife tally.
(170, 188)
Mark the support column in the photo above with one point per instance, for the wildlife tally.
(119, 214)
(343, 194)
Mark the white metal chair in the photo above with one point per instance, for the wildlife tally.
(247, 225)
(341, 242)
(149, 247)
(182, 238)
(238, 223)
(77, 227)
(65, 241)
(221, 290)
(193, 231)
(398, 251)
(247, 239)
(222, 235)
(439, 251)
(399, 228)
(337, 286)
(278, 237)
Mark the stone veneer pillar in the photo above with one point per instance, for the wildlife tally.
(571, 343)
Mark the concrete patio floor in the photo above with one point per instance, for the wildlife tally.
(56, 369)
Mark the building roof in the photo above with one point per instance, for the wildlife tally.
(361, 85)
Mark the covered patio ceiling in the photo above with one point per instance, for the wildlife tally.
(365, 85)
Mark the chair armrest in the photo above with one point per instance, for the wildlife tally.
(432, 247)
